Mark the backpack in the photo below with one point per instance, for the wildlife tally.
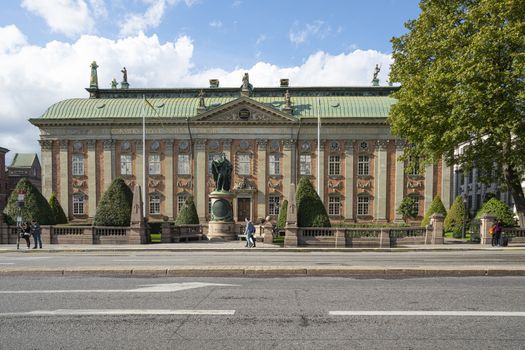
(251, 228)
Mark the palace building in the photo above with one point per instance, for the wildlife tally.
(268, 133)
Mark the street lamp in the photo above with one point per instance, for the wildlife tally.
(465, 206)
(20, 201)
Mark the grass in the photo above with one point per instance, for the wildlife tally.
(155, 237)
(278, 240)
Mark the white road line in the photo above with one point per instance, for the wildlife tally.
(7, 263)
(146, 260)
(429, 313)
(117, 312)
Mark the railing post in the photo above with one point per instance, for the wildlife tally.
(175, 234)
(384, 238)
(486, 223)
(437, 221)
(45, 231)
(165, 234)
(291, 238)
(340, 239)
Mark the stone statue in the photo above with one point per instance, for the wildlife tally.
(114, 83)
(377, 69)
(201, 99)
(246, 82)
(124, 75)
(221, 169)
(93, 82)
(287, 100)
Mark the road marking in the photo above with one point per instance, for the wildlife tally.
(429, 313)
(150, 288)
(117, 312)
(148, 260)
(7, 263)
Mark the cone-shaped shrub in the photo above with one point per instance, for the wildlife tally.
(456, 218)
(114, 209)
(283, 214)
(436, 207)
(499, 209)
(310, 210)
(188, 214)
(408, 208)
(35, 205)
(56, 209)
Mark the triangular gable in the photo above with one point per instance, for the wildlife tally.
(244, 109)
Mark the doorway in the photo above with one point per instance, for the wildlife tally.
(243, 209)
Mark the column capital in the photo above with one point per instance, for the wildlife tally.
(261, 143)
(400, 145)
(64, 144)
(381, 144)
(200, 144)
(169, 142)
(108, 144)
(46, 145)
(288, 144)
(227, 143)
(91, 144)
(349, 147)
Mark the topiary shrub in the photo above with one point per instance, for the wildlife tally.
(56, 210)
(35, 205)
(457, 218)
(283, 214)
(436, 207)
(408, 208)
(310, 210)
(114, 209)
(188, 214)
(500, 210)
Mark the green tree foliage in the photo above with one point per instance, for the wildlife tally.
(461, 67)
(35, 205)
(456, 218)
(499, 209)
(436, 207)
(188, 214)
(408, 208)
(56, 210)
(114, 209)
(283, 214)
(310, 210)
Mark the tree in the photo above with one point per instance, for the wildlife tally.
(114, 209)
(35, 205)
(436, 207)
(456, 218)
(310, 210)
(188, 214)
(283, 214)
(461, 69)
(59, 217)
(408, 208)
(499, 209)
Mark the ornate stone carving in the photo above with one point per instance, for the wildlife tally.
(288, 144)
(366, 185)
(382, 144)
(363, 146)
(244, 145)
(154, 183)
(400, 145)
(244, 184)
(261, 143)
(46, 145)
(335, 185)
(200, 144)
(77, 146)
(226, 144)
(305, 147)
(184, 145)
(334, 146)
(274, 186)
(64, 144)
(91, 144)
(187, 185)
(213, 145)
(155, 145)
(414, 184)
(275, 145)
(93, 81)
(108, 144)
(78, 184)
(129, 182)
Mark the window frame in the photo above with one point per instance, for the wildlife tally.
(305, 165)
(77, 164)
(334, 166)
(334, 207)
(363, 202)
(154, 203)
(244, 164)
(155, 163)
(363, 167)
(78, 201)
(180, 204)
(274, 165)
(183, 164)
(124, 165)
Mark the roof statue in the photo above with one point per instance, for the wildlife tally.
(114, 83)
(221, 169)
(201, 99)
(245, 82)
(93, 81)
(124, 75)
(287, 100)
(375, 80)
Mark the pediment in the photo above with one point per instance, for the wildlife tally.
(245, 109)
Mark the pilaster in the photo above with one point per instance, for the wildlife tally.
(200, 174)
(261, 177)
(47, 167)
(92, 177)
(139, 170)
(446, 181)
(168, 180)
(64, 176)
(288, 150)
(429, 186)
(380, 193)
(399, 179)
(349, 180)
(321, 172)
(109, 163)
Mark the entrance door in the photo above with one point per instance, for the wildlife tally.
(243, 208)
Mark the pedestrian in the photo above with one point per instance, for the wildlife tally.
(249, 231)
(37, 234)
(26, 233)
(496, 233)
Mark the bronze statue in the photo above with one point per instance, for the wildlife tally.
(376, 71)
(124, 75)
(222, 169)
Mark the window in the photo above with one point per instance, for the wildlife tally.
(184, 164)
(243, 164)
(334, 165)
(273, 205)
(415, 198)
(154, 164)
(363, 165)
(154, 203)
(78, 204)
(181, 200)
(125, 164)
(334, 205)
(362, 205)
(305, 164)
(78, 164)
(211, 158)
(274, 164)
(415, 163)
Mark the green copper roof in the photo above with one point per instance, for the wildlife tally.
(182, 107)
(22, 160)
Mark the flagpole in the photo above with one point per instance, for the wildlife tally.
(318, 146)
(143, 156)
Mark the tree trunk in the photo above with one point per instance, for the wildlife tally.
(514, 183)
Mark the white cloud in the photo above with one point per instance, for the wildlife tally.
(69, 17)
(99, 8)
(216, 23)
(33, 78)
(11, 39)
(299, 35)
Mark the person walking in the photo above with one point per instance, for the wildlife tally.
(37, 234)
(26, 233)
(496, 233)
(249, 231)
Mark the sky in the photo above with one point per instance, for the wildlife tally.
(46, 47)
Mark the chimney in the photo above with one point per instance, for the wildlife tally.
(214, 83)
(284, 82)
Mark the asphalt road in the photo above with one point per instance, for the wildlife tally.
(244, 313)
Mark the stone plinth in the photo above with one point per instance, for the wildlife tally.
(487, 221)
(221, 225)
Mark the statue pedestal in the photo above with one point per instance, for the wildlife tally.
(221, 225)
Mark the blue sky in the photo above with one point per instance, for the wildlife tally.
(46, 47)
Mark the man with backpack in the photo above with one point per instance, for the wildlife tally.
(249, 231)
(495, 230)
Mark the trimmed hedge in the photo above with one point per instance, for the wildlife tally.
(56, 209)
(457, 218)
(283, 214)
(499, 209)
(436, 207)
(188, 213)
(408, 208)
(114, 209)
(310, 210)
(35, 207)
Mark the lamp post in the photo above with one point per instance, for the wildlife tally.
(20, 201)
(465, 205)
